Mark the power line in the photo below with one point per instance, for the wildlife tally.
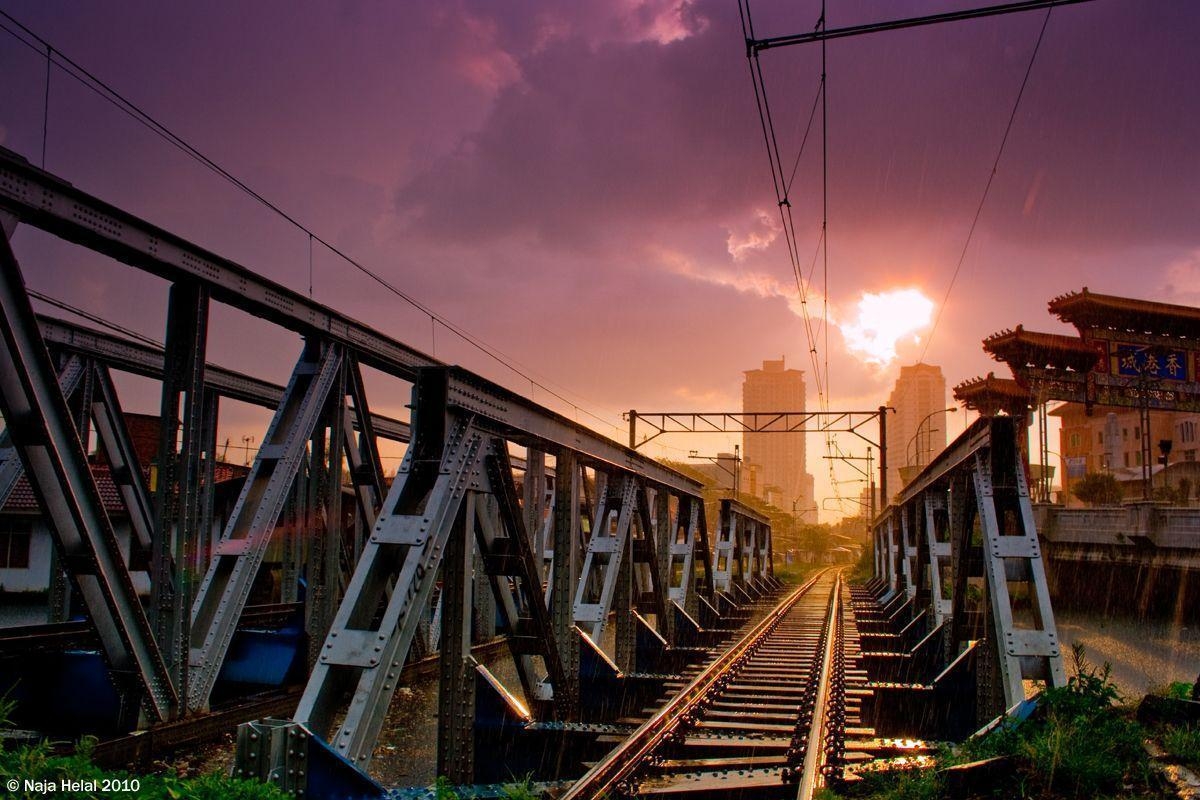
(112, 326)
(782, 187)
(988, 186)
(89, 80)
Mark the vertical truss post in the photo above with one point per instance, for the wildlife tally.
(226, 586)
(122, 458)
(533, 492)
(936, 522)
(606, 552)
(456, 668)
(323, 515)
(961, 521)
(892, 552)
(39, 421)
(365, 651)
(908, 551)
(362, 456)
(723, 550)
(208, 481)
(622, 605)
(292, 529)
(663, 540)
(176, 503)
(704, 582)
(564, 574)
(649, 584)
(516, 581)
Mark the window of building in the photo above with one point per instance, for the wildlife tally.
(1137, 432)
(1124, 433)
(1187, 431)
(1127, 459)
(1189, 455)
(1074, 440)
(1138, 459)
(14, 542)
(1101, 437)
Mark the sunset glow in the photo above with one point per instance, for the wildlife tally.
(884, 321)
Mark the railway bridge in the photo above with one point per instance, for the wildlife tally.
(654, 650)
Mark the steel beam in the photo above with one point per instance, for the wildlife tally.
(36, 412)
(177, 494)
(45, 201)
(564, 575)
(364, 652)
(11, 468)
(140, 359)
(602, 572)
(235, 563)
(122, 459)
(979, 478)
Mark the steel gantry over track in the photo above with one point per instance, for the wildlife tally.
(598, 532)
(958, 564)
(755, 422)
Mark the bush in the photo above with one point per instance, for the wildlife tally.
(1098, 489)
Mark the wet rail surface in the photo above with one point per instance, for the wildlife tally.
(769, 718)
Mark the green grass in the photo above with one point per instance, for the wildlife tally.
(37, 763)
(1182, 742)
(796, 573)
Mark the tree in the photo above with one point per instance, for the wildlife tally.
(1098, 489)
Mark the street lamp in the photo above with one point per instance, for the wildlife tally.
(918, 449)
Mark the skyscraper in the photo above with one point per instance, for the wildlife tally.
(920, 391)
(779, 456)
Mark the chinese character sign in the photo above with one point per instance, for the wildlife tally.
(1135, 360)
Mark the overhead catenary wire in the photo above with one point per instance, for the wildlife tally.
(55, 57)
(782, 188)
(817, 337)
(988, 185)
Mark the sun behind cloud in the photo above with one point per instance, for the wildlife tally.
(884, 320)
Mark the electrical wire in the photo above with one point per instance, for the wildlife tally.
(118, 100)
(782, 188)
(988, 186)
(112, 326)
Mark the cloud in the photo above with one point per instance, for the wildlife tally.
(755, 238)
(750, 282)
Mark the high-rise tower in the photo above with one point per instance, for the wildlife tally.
(920, 392)
(779, 456)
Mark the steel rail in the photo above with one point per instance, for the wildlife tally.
(812, 779)
(624, 759)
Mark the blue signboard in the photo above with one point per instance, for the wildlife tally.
(1162, 363)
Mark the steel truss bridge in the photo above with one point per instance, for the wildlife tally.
(597, 566)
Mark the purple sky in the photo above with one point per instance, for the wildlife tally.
(584, 186)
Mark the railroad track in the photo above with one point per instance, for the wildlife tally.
(772, 717)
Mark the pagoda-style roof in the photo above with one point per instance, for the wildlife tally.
(1088, 310)
(990, 395)
(1019, 347)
